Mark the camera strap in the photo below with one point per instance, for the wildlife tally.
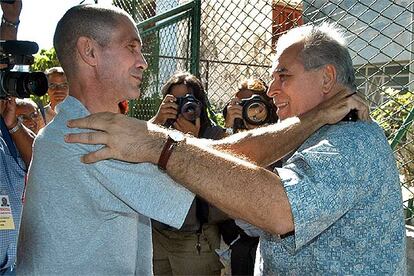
(7, 138)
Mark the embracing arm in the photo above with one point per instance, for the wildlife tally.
(239, 188)
(266, 145)
(271, 143)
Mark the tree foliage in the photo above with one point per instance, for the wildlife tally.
(44, 60)
(392, 116)
(392, 113)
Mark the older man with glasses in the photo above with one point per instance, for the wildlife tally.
(58, 90)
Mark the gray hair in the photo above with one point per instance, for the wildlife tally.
(54, 70)
(92, 21)
(322, 44)
(26, 101)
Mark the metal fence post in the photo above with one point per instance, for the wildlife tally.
(195, 39)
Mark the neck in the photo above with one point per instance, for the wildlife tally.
(93, 98)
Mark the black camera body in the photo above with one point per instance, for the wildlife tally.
(352, 116)
(189, 107)
(19, 84)
(256, 111)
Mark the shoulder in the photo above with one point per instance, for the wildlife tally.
(347, 136)
(346, 147)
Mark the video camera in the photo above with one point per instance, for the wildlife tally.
(256, 111)
(189, 107)
(19, 84)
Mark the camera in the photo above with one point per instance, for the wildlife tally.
(352, 116)
(19, 84)
(256, 111)
(189, 107)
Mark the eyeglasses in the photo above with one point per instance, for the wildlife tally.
(31, 117)
(55, 86)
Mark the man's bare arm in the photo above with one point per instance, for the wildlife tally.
(11, 14)
(23, 137)
(266, 145)
(239, 188)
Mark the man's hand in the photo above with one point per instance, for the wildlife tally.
(8, 112)
(234, 111)
(186, 126)
(336, 108)
(11, 12)
(125, 138)
(167, 110)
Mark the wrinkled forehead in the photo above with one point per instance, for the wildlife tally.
(286, 55)
(126, 30)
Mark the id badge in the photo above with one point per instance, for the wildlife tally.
(6, 216)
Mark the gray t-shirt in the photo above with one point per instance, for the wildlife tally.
(91, 219)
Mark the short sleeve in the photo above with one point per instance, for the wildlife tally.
(322, 185)
(145, 189)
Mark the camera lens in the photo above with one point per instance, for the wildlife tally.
(36, 83)
(256, 113)
(23, 84)
(191, 111)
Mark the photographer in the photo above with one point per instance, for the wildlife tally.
(28, 113)
(185, 108)
(15, 154)
(250, 107)
(249, 100)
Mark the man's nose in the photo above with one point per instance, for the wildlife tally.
(141, 62)
(274, 88)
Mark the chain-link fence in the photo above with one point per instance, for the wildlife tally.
(234, 39)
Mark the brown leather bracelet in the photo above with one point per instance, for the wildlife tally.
(172, 140)
(166, 153)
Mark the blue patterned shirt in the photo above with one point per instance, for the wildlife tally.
(343, 188)
(11, 185)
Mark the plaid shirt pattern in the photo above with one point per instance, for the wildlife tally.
(12, 179)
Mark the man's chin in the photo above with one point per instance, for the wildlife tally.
(134, 95)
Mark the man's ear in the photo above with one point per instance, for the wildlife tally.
(87, 50)
(329, 78)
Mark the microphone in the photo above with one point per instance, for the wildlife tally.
(18, 47)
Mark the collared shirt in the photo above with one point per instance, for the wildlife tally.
(91, 219)
(11, 185)
(344, 192)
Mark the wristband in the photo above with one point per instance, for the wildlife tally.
(9, 23)
(173, 139)
(15, 128)
(229, 130)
